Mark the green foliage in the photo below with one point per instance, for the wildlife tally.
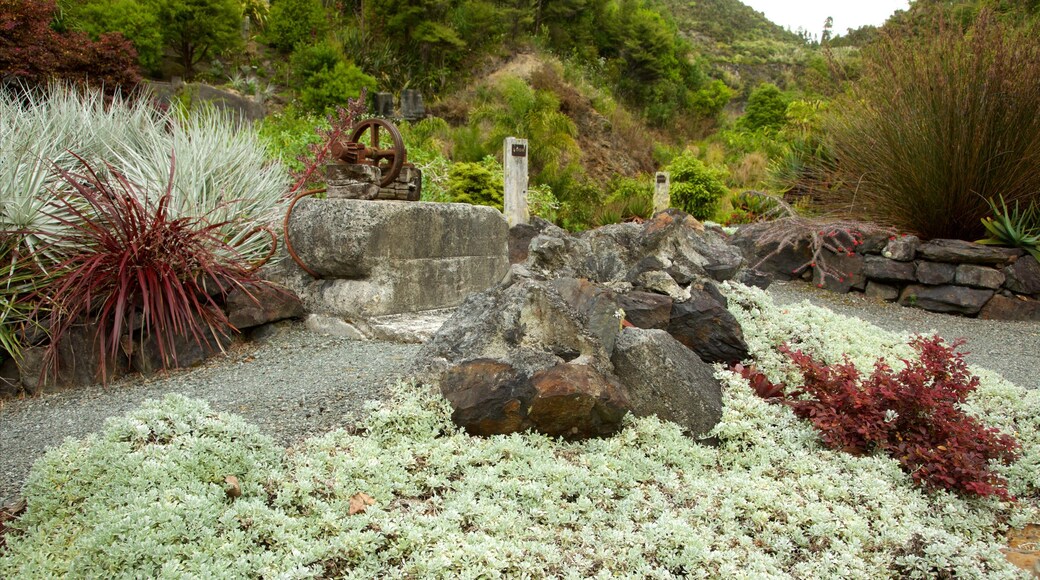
(937, 126)
(512, 108)
(195, 31)
(696, 188)
(542, 202)
(1013, 227)
(712, 99)
(766, 109)
(428, 143)
(287, 135)
(477, 183)
(295, 22)
(325, 79)
(135, 19)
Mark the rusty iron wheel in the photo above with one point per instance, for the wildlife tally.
(389, 161)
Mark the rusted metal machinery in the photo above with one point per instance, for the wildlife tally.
(355, 152)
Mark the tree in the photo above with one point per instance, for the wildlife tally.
(294, 22)
(766, 109)
(196, 30)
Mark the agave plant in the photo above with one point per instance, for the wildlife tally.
(1014, 226)
(140, 268)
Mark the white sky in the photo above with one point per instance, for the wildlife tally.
(810, 14)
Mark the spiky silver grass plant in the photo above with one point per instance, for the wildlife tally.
(223, 171)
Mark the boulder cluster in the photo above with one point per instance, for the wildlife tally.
(586, 328)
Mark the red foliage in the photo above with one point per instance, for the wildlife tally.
(340, 122)
(912, 415)
(763, 386)
(31, 51)
(139, 270)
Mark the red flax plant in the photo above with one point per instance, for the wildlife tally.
(137, 270)
(912, 415)
(318, 154)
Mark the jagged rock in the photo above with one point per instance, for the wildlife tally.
(901, 248)
(529, 324)
(576, 402)
(753, 277)
(596, 307)
(520, 237)
(936, 273)
(491, 397)
(704, 325)
(662, 377)
(261, 303)
(882, 291)
(1005, 308)
(880, 268)
(646, 309)
(695, 253)
(962, 252)
(979, 277)
(784, 263)
(1023, 276)
(873, 242)
(10, 381)
(661, 283)
(956, 299)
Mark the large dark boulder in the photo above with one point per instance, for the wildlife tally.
(782, 262)
(881, 268)
(646, 309)
(258, 304)
(1011, 308)
(704, 326)
(664, 378)
(537, 354)
(694, 252)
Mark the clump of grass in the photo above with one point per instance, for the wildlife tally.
(936, 126)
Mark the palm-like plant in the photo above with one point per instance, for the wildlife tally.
(1013, 226)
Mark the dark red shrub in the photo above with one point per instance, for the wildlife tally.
(912, 415)
(138, 270)
(340, 123)
(32, 51)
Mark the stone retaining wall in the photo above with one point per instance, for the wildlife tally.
(950, 276)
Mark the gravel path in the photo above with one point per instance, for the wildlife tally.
(1009, 348)
(297, 384)
(293, 385)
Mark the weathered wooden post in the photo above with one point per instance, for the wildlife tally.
(662, 186)
(514, 162)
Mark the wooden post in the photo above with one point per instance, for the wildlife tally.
(662, 186)
(514, 162)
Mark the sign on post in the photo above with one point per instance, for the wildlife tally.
(662, 186)
(514, 162)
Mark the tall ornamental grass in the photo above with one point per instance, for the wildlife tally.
(937, 126)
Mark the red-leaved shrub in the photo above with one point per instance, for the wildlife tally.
(31, 51)
(137, 269)
(912, 415)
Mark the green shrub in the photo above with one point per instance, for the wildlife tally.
(711, 100)
(331, 88)
(696, 188)
(937, 126)
(288, 134)
(295, 22)
(477, 183)
(766, 109)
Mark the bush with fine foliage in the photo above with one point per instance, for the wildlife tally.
(939, 125)
(476, 183)
(696, 188)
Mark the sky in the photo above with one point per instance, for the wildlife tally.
(810, 14)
